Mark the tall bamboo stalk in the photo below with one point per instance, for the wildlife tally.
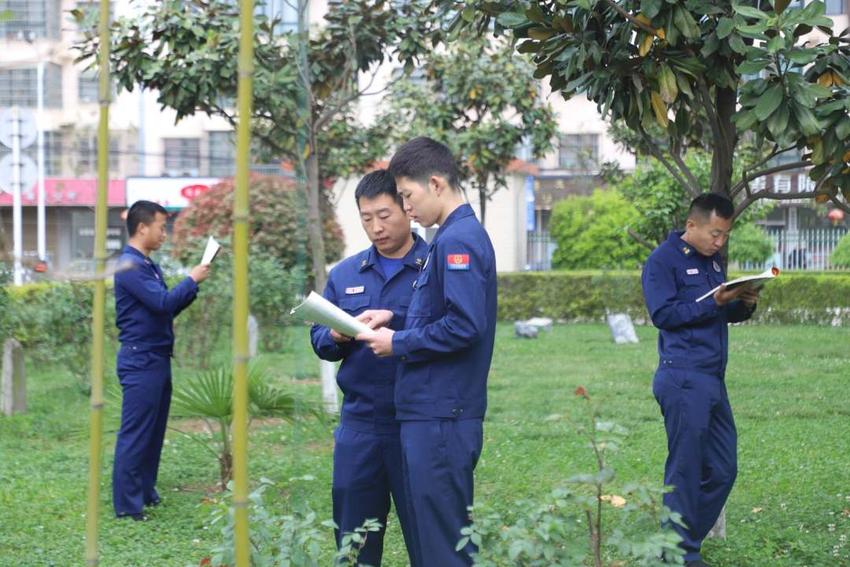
(240, 285)
(99, 305)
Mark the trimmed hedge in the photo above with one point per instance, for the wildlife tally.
(794, 298)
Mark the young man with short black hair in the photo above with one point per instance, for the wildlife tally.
(144, 312)
(445, 351)
(689, 383)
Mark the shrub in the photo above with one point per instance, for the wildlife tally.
(817, 299)
(591, 233)
(749, 244)
(277, 222)
(567, 528)
(841, 255)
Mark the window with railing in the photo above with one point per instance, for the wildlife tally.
(19, 87)
(182, 156)
(221, 154)
(30, 19)
(579, 152)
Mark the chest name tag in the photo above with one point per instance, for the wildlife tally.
(693, 271)
(457, 261)
(355, 290)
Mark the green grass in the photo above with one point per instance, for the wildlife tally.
(788, 386)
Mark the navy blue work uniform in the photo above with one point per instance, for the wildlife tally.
(367, 448)
(689, 383)
(144, 311)
(441, 391)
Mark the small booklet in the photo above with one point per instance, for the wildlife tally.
(753, 281)
(210, 251)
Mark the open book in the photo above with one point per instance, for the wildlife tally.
(319, 310)
(210, 251)
(753, 281)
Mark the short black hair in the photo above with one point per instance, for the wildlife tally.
(142, 212)
(422, 157)
(708, 203)
(378, 182)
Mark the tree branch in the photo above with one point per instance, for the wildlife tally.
(843, 206)
(737, 188)
(653, 149)
(647, 28)
(688, 173)
(776, 169)
(771, 196)
(639, 239)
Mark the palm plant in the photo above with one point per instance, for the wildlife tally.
(209, 397)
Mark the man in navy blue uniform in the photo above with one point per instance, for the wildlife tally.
(692, 347)
(445, 351)
(144, 312)
(367, 448)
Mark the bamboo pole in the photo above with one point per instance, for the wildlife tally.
(240, 286)
(99, 305)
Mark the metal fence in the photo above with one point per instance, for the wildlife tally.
(807, 249)
(540, 249)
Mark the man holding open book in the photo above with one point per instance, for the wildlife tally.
(692, 347)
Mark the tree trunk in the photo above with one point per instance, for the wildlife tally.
(482, 198)
(225, 466)
(314, 216)
(724, 145)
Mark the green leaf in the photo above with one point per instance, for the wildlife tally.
(769, 102)
(737, 44)
(650, 8)
(749, 12)
(511, 20)
(778, 121)
(752, 67)
(842, 130)
(775, 44)
(802, 56)
(724, 27)
(809, 124)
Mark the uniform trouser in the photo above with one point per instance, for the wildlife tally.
(439, 460)
(701, 444)
(367, 471)
(146, 383)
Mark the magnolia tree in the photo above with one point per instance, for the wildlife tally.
(712, 74)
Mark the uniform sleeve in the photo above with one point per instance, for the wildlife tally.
(738, 311)
(148, 290)
(465, 319)
(666, 311)
(320, 336)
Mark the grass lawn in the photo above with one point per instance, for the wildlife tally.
(788, 386)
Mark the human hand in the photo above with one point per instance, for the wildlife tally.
(376, 318)
(750, 296)
(380, 341)
(339, 337)
(200, 272)
(723, 296)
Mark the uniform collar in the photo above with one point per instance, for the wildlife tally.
(414, 257)
(462, 211)
(685, 249)
(135, 252)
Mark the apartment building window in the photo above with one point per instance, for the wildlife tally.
(88, 86)
(84, 154)
(30, 19)
(222, 154)
(182, 156)
(18, 87)
(53, 152)
(579, 152)
(285, 11)
(834, 7)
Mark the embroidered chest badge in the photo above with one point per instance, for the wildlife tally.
(716, 266)
(355, 290)
(458, 261)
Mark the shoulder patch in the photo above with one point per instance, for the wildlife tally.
(457, 261)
